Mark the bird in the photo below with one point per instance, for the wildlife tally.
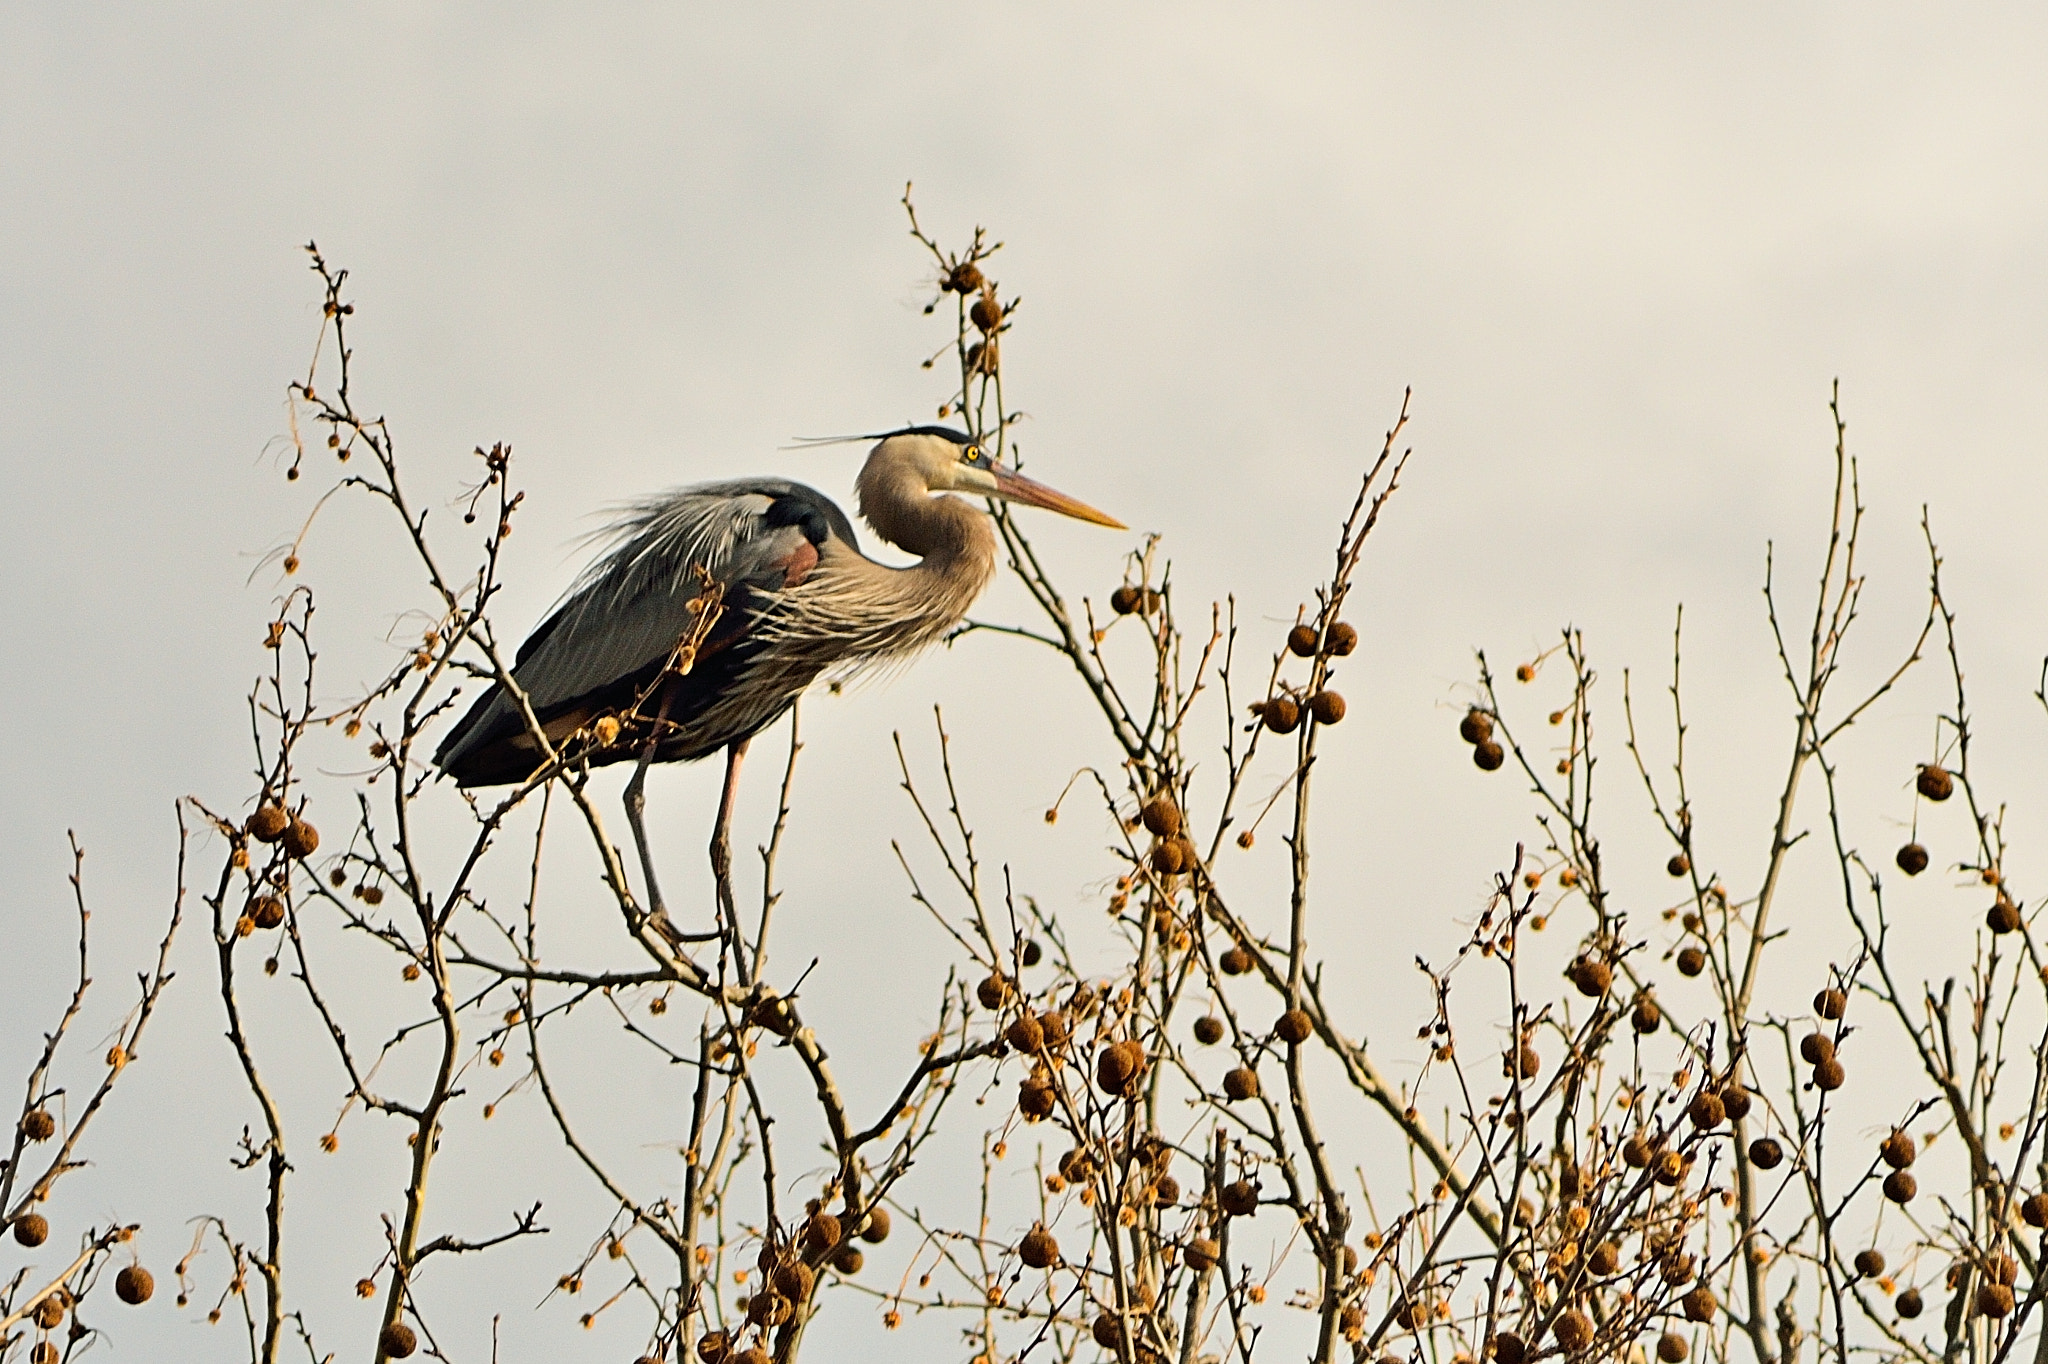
(626, 667)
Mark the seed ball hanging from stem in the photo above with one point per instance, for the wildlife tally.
(133, 1285)
(1679, 864)
(2003, 916)
(397, 1340)
(266, 911)
(1898, 1149)
(1340, 640)
(1706, 1110)
(1870, 1263)
(1126, 599)
(1487, 755)
(1735, 1101)
(1301, 641)
(1161, 816)
(1900, 1186)
(1038, 1249)
(1829, 1074)
(848, 1259)
(1816, 1047)
(1766, 1154)
(1699, 1304)
(1691, 961)
(877, 1229)
(2034, 1211)
(1912, 859)
(1237, 961)
(1935, 783)
(1281, 714)
(1605, 1259)
(1327, 707)
(1909, 1303)
(1209, 1030)
(1241, 1083)
(1831, 1003)
(1646, 1017)
(987, 313)
(301, 839)
(1476, 727)
(267, 825)
(1239, 1198)
(1508, 1348)
(38, 1125)
(1293, 1027)
(1994, 1300)
(1672, 1349)
(964, 279)
(31, 1229)
(1573, 1329)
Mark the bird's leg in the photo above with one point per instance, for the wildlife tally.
(636, 808)
(721, 844)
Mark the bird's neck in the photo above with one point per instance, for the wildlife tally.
(940, 530)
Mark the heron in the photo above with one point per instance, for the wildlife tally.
(762, 584)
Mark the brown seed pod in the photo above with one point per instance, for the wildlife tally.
(1038, 1249)
(1605, 1259)
(1281, 715)
(1508, 1348)
(1816, 1047)
(1523, 1062)
(133, 1285)
(1934, 783)
(1672, 1349)
(1699, 1304)
(1994, 1300)
(1679, 864)
(987, 313)
(1126, 599)
(1670, 1169)
(49, 1313)
(822, 1232)
(300, 838)
(770, 1309)
(38, 1125)
(1031, 953)
(1293, 1027)
(993, 992)
(1236, 961)
(1026, 1035)
(44, 1352)
(397, 1340)
(1166, 1191)
(1829, 1074)
(1166, 857)
(876, 1229)
(266, 911)
(1240, 1083)
(1591, 976)
(2003, 916)
(1209, 1030)
(1900, 1186)
(1870, 1263)
(1487, 755)
(1301, 641)
(1636, 1152)
(753, 1354)
(773, 1014)
(268, 824)
(1706, 1110)
(1077, 1166)
(713, 1347)
(794, 1280)
(965, 278)
(1476, 727)
(1107, 1330)
(1161, 816)
(1691, 961)
(1735, 1101)
(848, 1259)
(1239, 1198)
(1646, 1017)
(31, 1229)
(1340, 639)
(1898, 1149)
(1054, 1025)
(2004, 1270)
(2034, 1210)
(1573, 1330)
(1912, 859)
(1766, 1154)
(1909, 1304)
(1327, 707)
(1351, 1322)
(1830, 1003)
(1119, 1067)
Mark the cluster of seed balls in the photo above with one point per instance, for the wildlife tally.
(1476, 729)
(1282, 713)
(133, 1285)
(1937, 784)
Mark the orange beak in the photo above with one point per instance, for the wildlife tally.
(1014, 487)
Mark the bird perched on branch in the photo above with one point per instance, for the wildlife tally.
(717, 604)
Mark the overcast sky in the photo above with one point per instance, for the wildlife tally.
(1619, 253)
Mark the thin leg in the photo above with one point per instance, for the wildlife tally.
(636, 809)
(721, 855)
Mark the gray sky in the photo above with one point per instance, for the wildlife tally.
(1619, 252)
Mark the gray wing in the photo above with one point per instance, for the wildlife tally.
(630, 607)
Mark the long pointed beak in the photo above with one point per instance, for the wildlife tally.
(1014, 487)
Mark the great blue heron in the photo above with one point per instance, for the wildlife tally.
(793, 596)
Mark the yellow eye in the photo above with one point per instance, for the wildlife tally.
(971, 453)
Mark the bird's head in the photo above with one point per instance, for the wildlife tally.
(949, 461)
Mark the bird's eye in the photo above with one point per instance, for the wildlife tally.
(974, 456)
